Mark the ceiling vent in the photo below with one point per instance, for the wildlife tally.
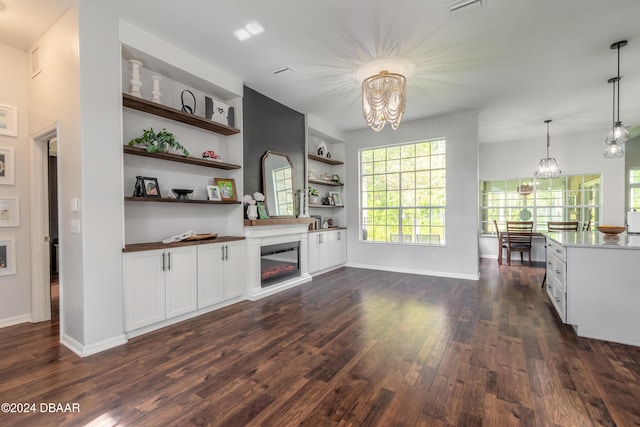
(462, 6)
(281, 70)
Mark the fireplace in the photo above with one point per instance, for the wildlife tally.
(279, 262)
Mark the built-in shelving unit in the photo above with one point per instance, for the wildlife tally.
(138, 151)
(177, 115)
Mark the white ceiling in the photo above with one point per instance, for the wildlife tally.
(518, 62)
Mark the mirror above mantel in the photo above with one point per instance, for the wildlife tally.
(277, 185)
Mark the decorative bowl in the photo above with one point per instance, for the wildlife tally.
(181, 193)
(611, 230)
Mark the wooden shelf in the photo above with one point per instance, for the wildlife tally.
(139, 247)
(324, 206)
(277, 221)
(177, 115)
(324, 159)
(322, 182)
(169, 200)
(139, 151)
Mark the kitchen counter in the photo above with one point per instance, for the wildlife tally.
(594, 239)
(596, 280)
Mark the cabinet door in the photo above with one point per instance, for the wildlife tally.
(338, 253)
(210, 277)
(319, 251)
(234, 270)
(144, 289)
(181, 281)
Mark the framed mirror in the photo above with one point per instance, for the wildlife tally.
(277, 184)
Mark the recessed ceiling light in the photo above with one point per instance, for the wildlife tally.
(253, 28)
(242, 34)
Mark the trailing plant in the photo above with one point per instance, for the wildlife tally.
(158, 142)
(313, 191)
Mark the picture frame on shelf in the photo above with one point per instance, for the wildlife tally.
(227, 187)
(213, 193)
(150, 187)
(9, 212)
(336, 198)
(6, 166)
(262, 212)
(7, 255)
(8, 120)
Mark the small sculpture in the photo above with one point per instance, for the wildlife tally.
(137, 189)
(210, 155)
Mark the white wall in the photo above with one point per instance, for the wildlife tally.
(459, 257)
(15, 290)
(576, 154)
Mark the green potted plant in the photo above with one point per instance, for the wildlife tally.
(313, 196)
(159, 142)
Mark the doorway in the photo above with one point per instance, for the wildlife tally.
(45, 254)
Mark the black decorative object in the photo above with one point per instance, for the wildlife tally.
(137, 190)
(328, 154)
(181, 193)
(231, 117)
(320, 151)
(188, 108)
(208, 108)
(325, 201)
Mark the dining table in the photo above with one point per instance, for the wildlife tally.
(502, 235)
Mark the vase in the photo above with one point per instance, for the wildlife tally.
(135, 83)
(252, 212)
(155, 93)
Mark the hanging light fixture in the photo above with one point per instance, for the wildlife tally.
(548, 167)
(384, 91)
(618, 134)
(383, 99)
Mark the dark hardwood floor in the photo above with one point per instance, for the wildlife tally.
(354, 347)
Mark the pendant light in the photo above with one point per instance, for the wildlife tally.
(618, 134)
(548, 167)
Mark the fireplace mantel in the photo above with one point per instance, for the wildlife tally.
(270, 235)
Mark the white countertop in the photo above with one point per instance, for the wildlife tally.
(594, 239)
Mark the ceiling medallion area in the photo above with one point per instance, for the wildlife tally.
(384, 91)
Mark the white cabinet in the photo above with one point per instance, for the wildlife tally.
(556, 284)
(326, 249)
(159, 284)
(220, 272)
(338, 253)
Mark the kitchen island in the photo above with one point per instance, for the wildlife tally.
(594, 284)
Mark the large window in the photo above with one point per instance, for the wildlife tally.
(634, 189)
(567, 198)
(403, 193)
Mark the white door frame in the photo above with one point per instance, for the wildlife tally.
(40, 252)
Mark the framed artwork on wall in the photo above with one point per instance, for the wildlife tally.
(150, 187)
(336, 198)
(6, 165)
(8, 120)
(9, 212)
(7, 255)
(227, 188)
(213, 193)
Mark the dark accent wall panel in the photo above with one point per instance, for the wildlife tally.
(269, 125)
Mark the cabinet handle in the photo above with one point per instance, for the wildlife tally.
(339, 236)
(222, 253)
(558, 272)
(558, 251)
(558, 300)
(320, 239)
(169, 257)
(164, 265)
(226, 252)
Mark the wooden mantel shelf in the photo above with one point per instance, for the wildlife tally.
(277, 221)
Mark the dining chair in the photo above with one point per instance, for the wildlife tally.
(519, 235)
(562, 226)
(502, 241)
(586, 226)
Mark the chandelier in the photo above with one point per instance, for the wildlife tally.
(548, 167)
(383, 99)
(384, 91)
(618, 134)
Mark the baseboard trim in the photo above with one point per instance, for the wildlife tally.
(16, 320)
(416, 271)
(84, 351)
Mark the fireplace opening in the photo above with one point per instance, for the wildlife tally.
(279, 262)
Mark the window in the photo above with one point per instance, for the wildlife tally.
(567, 198)
(282, 186)
(403, 193)
(634, 189)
